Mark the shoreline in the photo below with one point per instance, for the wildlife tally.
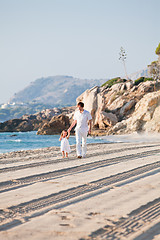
(126, 138)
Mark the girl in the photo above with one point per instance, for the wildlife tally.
(65, 148)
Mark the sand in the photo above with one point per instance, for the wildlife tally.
(113, 193)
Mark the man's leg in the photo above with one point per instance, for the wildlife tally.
(84, 143)
(78, 142)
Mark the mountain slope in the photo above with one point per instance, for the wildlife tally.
(138, 74)
(57, 90)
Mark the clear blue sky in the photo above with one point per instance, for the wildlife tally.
(80, 38)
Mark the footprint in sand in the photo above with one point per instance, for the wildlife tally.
(67, 225)
(64, 224)
(93, 213)
(65, 218)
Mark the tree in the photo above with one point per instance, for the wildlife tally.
(154, 68)
(154, 71)
(122, 58)
(158, 50)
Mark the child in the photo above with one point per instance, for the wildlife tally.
(65, 148)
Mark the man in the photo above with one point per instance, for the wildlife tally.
(81, 118)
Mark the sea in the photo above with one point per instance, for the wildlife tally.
(18, 141)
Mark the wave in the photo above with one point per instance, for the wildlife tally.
(14, 140)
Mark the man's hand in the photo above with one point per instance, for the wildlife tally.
(90, 126)
(72, 125)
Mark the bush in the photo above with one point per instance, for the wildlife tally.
(158, 49)
(111, 82)
(142, 79)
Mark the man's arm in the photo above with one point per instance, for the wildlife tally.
(72, 125)
(90, 125)
(68, 135)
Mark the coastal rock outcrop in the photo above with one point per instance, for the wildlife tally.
(55, 125)
(15, 125)
(33, 122)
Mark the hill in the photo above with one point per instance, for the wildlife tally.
(57, 90)
(44, 93)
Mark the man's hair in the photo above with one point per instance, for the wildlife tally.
(81, 104)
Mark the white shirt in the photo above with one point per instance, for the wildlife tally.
(82, 119)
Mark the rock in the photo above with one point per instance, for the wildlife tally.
(33, 122)
(28, 117)
(25, 126)
(107, 119)
(127, 107)
(117, 87)
(129, 85)
(55, 126)
(93, 102)
(15, 125)
(117, 103)
(134, 88)
(145, 87)
(145, 118)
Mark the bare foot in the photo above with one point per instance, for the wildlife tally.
(63, 154)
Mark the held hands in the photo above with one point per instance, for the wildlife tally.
(68, 130)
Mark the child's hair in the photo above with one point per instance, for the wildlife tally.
(64, 131)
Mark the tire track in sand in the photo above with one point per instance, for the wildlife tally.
(125, 227)
(24, 181)
(50, 155)
(8, 217)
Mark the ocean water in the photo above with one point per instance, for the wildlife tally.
(17, 141)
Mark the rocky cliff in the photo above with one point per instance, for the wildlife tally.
(124, 107)
(145, 118)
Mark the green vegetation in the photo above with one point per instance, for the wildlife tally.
(142, 79)
(154, 62)
(111, 82)
(158, 49)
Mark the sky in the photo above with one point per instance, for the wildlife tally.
(79, 38)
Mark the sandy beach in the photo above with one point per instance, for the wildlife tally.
(113, 193)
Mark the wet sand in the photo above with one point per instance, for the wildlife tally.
(113, 193)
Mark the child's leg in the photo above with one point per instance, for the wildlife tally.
(63, 154)
(67, 154)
